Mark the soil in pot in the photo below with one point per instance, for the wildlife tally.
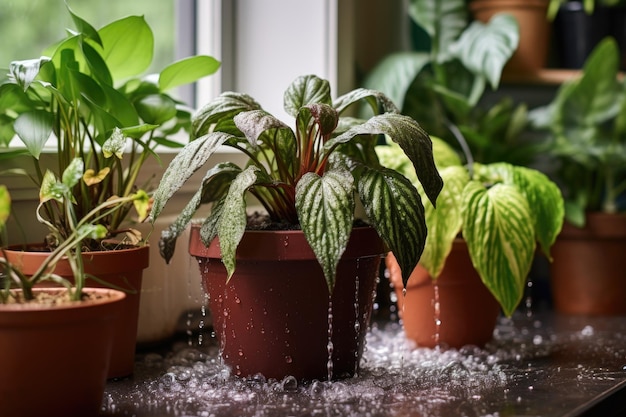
(587, 273)
(455, 311)
(55, 359)
(275, 316)
(123, 268)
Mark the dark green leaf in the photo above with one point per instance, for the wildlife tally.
(183, 166)
(395, 209)
(306, 89)
(413, 140)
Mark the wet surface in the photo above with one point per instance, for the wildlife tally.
(539, 364)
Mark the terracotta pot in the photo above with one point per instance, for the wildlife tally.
(467, 310)
(587, 273)
(532, 52)
(121, 268)
(55, 360)
(274, 316)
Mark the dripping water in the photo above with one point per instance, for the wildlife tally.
(529, 298)
(329, 345)
(437, 312)
(357, 323)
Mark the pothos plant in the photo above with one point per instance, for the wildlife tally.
(585, 129)
(445, 87)
(307, 176)
(88, 98)
(88, 226)
(501, 211)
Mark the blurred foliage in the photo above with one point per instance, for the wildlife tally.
(27, 27)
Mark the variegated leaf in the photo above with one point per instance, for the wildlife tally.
(500, 239)
(325, 207)
(444, 223)
(184, 165)
(395, 209)
(233, 220)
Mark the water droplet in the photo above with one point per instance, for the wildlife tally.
(288, 359)
(237, 300)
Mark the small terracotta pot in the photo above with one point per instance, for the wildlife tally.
(55, 360)
(467, 310)
(587, 274)
(275, 315)
(532, 52)
(123, 268)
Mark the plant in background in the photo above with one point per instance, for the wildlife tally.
(443, 88)
(87, 226)
(87, 99)
(305, 177)
(586, 135)
(500, 210)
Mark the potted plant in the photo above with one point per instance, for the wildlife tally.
(585, 127)
(307, 315)
(479, 249)
(531, 54)
(444, 89)
(75, 324)
(88, 99)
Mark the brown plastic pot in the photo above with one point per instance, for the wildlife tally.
(55, 360)
(587, 274)
(275, 316)
(532, 52)
(467, 310)
(122, 268)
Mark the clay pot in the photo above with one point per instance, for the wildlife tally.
(123, 269)
(467, 310)
(534, 29)
(587, 273)
(275, 316)
(55, 359)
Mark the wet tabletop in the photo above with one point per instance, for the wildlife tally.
(539, 364)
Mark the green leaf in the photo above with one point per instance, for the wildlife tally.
(444, 223)
(73, 173)
(486, 48)
(186, 71)
(156, 109)
(34, 128)
(25, 72)
(5, 205)
(128, 45)
(214, 188)
(377, 100)
(396, 211)
(233, 219)
(500, 239)
(84, 27)
(183, 166)
(413, 140)
(325, 207)
(546, 201)
(306, 89)
(115, 144)
(394, 74)
(442, 20)
(220, 112)
(51, 188)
